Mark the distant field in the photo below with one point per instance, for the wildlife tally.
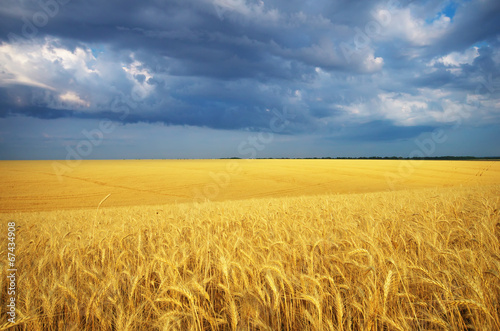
(36, 186)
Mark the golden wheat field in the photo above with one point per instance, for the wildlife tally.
(37, 186)
(253, 245)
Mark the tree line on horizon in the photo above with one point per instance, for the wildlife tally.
(492, 158)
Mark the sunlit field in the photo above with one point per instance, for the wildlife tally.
(37, 185)
(254, 245)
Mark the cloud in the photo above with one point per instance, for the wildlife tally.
(220, 64)
(456, 59)
(73, 99)
(413, 29)
(381, 130)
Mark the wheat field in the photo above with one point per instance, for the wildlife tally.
(37, 186)
(284, 245)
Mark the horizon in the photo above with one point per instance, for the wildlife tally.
(426, 158)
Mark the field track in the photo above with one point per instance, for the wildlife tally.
(36, 186)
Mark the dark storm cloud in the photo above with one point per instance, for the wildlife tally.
(203, 38)
(476, 21)
(381, 130)
(225, 64)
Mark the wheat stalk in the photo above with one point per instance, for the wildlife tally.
(95, 217)
(387, 288)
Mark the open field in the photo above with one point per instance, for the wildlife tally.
(289, 245)
(35, 186)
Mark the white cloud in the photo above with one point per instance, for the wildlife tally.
(457, 59)
(141, 87)
(403, 108)
(372, 63)
(66, 78)
(253, 11)
(13, 62)
(413, 29)
(429, 106)
(40, 63)
(72, 98)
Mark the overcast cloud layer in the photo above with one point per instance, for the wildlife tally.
(197, 78)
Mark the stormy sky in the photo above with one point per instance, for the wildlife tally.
(248, 78)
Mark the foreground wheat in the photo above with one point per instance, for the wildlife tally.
(407, 260)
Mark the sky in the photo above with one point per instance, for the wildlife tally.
(172, 79)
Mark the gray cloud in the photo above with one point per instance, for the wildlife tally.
(224, 64)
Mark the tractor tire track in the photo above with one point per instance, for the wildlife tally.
(97, 182)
